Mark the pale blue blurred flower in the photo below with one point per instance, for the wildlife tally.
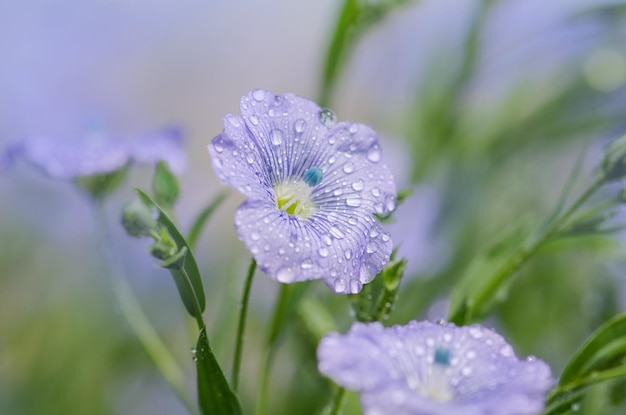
(312, 185)
(425, 368)
(98, 152)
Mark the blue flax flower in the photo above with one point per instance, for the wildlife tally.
(312, 187)
(97, 153)
(425, 368)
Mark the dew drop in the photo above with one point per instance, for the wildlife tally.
(475, 332)
(250, 158)
(327, 240)
(327, 117)
(371, 248)
(347, 253)
(390, 203)
(575, 407)
(374, 232)
(276, 137)
(440, 322)
(385, 237)
(323, 252)
(470, 354)
(299, 126)
(466, 371)
(375, 192)
(218, 147)
(331, 160)
(373, 154)
(306, 264)
(348, 167)
(284, 274)
(353, 201)
(531, 358)
(352, 221)
(355, 286)
(254, 120)
(338, 191)
(358, 185)
(258, 94)
(255, 236)
(353, 128)
(336, 232)
(340, 285)
(506, 351)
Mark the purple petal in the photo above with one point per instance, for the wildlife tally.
(394, 368)
(166, 145)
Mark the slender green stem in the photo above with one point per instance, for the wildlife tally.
(528, 249)
(136, 318)
(274, 329)
(340, 399)
(241, 326)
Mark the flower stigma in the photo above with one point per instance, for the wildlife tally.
(294, 196)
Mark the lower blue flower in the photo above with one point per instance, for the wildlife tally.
(424, 368)
(312, 187)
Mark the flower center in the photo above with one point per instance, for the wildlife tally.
(294, 196)
(436, 385)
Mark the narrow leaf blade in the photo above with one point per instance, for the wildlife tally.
(214, 394)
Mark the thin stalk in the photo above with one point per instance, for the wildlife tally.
(198, 316)
(340, 399)
(241, 326)
(136, 318)
(274, 329)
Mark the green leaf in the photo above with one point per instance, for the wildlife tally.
(187, 277)
(214, 394)
(164, 186)
(488, 275)
(203, 218)
(604, 349)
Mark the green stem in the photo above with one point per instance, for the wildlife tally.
(136, 318)
(529, 248)
(274, 329)
(340, 399)
(242, 325)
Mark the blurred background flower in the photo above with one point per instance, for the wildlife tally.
(492, 100)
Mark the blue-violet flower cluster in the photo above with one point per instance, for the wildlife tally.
(312, 187)
(425, 368)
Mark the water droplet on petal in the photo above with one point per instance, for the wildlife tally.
(336, 232)
(254, 120)
(331, 160)
(299, 126)
(284, 274)
(355, 286)
(390, 203)
(375, 192)
(506, 351)
(250, 158)
(470, 354)
(323, 252)
(475, 332)
(327, 240)
(358, 185)
(371, 248)
(218, 147)
(255, 236)
(327, 117)
(385, 237)
(374, 232)
(373, 154)
(276, 137)
(348, 167)
(440, 322)
(466, 371)
(353, 201)
(353, 128)
(338, 191)
(340, 285)
(306, 264)
(531, 358)
(347, 253)
(258, 94)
